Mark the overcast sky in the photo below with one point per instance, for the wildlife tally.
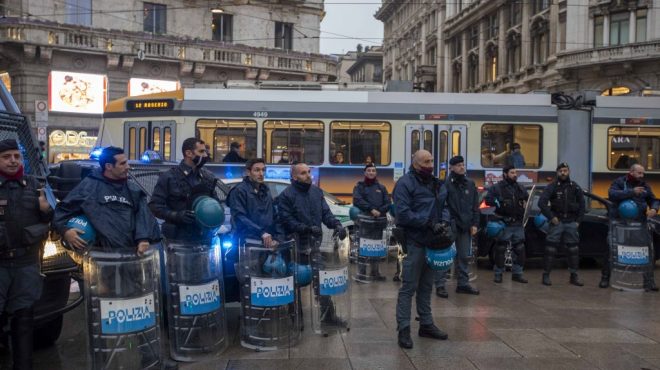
(349, 20)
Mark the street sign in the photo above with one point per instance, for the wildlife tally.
(41, 111)
(41, 134)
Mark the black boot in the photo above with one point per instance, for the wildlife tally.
(546, 279)
(22, 324)
(405, 341)
(575, 280)
(604, 281)
(432, 331)
(518, 278)
(498, 278)
(649, 285)
(441, 292)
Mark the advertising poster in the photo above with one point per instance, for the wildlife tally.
(76, 92)
(142, 86)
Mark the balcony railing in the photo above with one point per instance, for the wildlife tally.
(612, 54)
(58, 36)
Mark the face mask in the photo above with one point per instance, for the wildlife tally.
(426, 170)
(200, 161)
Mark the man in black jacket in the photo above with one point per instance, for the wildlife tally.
(116, 209)
(177, 189)
(632, 187)
(509, 198)
(233, 156)
(419, 198)
(252, 209)
(562, 202)
(463, 204)
(371, 197)
(24, 216)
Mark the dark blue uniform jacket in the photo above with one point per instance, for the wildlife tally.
(622, 189)
(369, 197)
(252, 210)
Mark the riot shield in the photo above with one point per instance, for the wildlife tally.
(631, 254)
(195, 299)
(372, 247)
(269, 308)
(122, 306)
(331, 301)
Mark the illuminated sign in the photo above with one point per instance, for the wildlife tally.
(141, 86)
(71, 138)
(76, 92)
(161, 104)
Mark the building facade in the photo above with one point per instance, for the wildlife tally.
(514, 46)
(65, 59)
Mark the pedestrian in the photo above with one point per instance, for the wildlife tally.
(302, 209)
(463, 204)
(234, 156)
(176, 190)
(24, 217)
(419, 198)
(516, 158)
(562, 202)
(371, 197)
(509, 199)
(632, 187)
(252, 207)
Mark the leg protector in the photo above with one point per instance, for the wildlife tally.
(500, 254)
(519, 252)
(573, 254)
(549, 257)
(22, 324)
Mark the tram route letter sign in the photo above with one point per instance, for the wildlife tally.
(150, 105)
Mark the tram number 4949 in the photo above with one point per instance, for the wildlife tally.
(260, 114)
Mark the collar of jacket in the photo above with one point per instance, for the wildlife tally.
(255, 185)
(187, 170)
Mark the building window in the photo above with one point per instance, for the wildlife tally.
(474, 36)
(640, 27)
(540, 5)
(302, 141)
(155, 18)
(222, 27)
(78, 12)
(284, 35)
(360, 142)
(540, 42)
(633, 145)
(515, 12)
(497, 141)
(430, 56)
(219, 134)
(514, 53)
(457, 76)
(619, 28)
(456, 47)
(473, 70)
(491, 64)
(598, 30)
(493, 26)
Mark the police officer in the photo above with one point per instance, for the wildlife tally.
(632, 187)
(371, 197)
(116, 209)
(419, 198)
(251, 203)
(24, 217)
(509, 198)
(177, 189)
(562, 202)
(463, 204)
(301, 210)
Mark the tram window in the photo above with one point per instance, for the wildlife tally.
(455, 143)
(289, 141)
(443, 146)
(360, 142)
(143, 140)
(415, 141)
(633, 145)
(131, 143)
(428, 141)
(167, 142)
(498, 141)
(156, 138)
(219, 134)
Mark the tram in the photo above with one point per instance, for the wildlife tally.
(337, 132)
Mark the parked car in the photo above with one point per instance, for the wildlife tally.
(593, 228)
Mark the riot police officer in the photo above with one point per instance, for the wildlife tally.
(176, 190)
(251, 203)
(562, 202)
(419, 198)
(24, 216)
(302, 209)
(632, 187)
(463, 205)
(509, 198)
(371, 197)
(116, 209)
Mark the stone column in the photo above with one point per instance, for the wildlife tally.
(632, 34)
(464, 64)
(606, 30)
(482, 53)
(449, 75)
(526, 46)
(502, 52)
(553, 28)
(441, 54)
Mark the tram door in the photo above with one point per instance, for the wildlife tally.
(158, 136)
(443, 141)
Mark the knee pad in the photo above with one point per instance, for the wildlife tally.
(500, 251)
(551, 249)
(572, 250)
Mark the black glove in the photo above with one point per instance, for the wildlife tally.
(184, 217)
(316, 231)
(440, 228)
(341, 232)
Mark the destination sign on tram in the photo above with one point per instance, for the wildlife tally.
(150, 105)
